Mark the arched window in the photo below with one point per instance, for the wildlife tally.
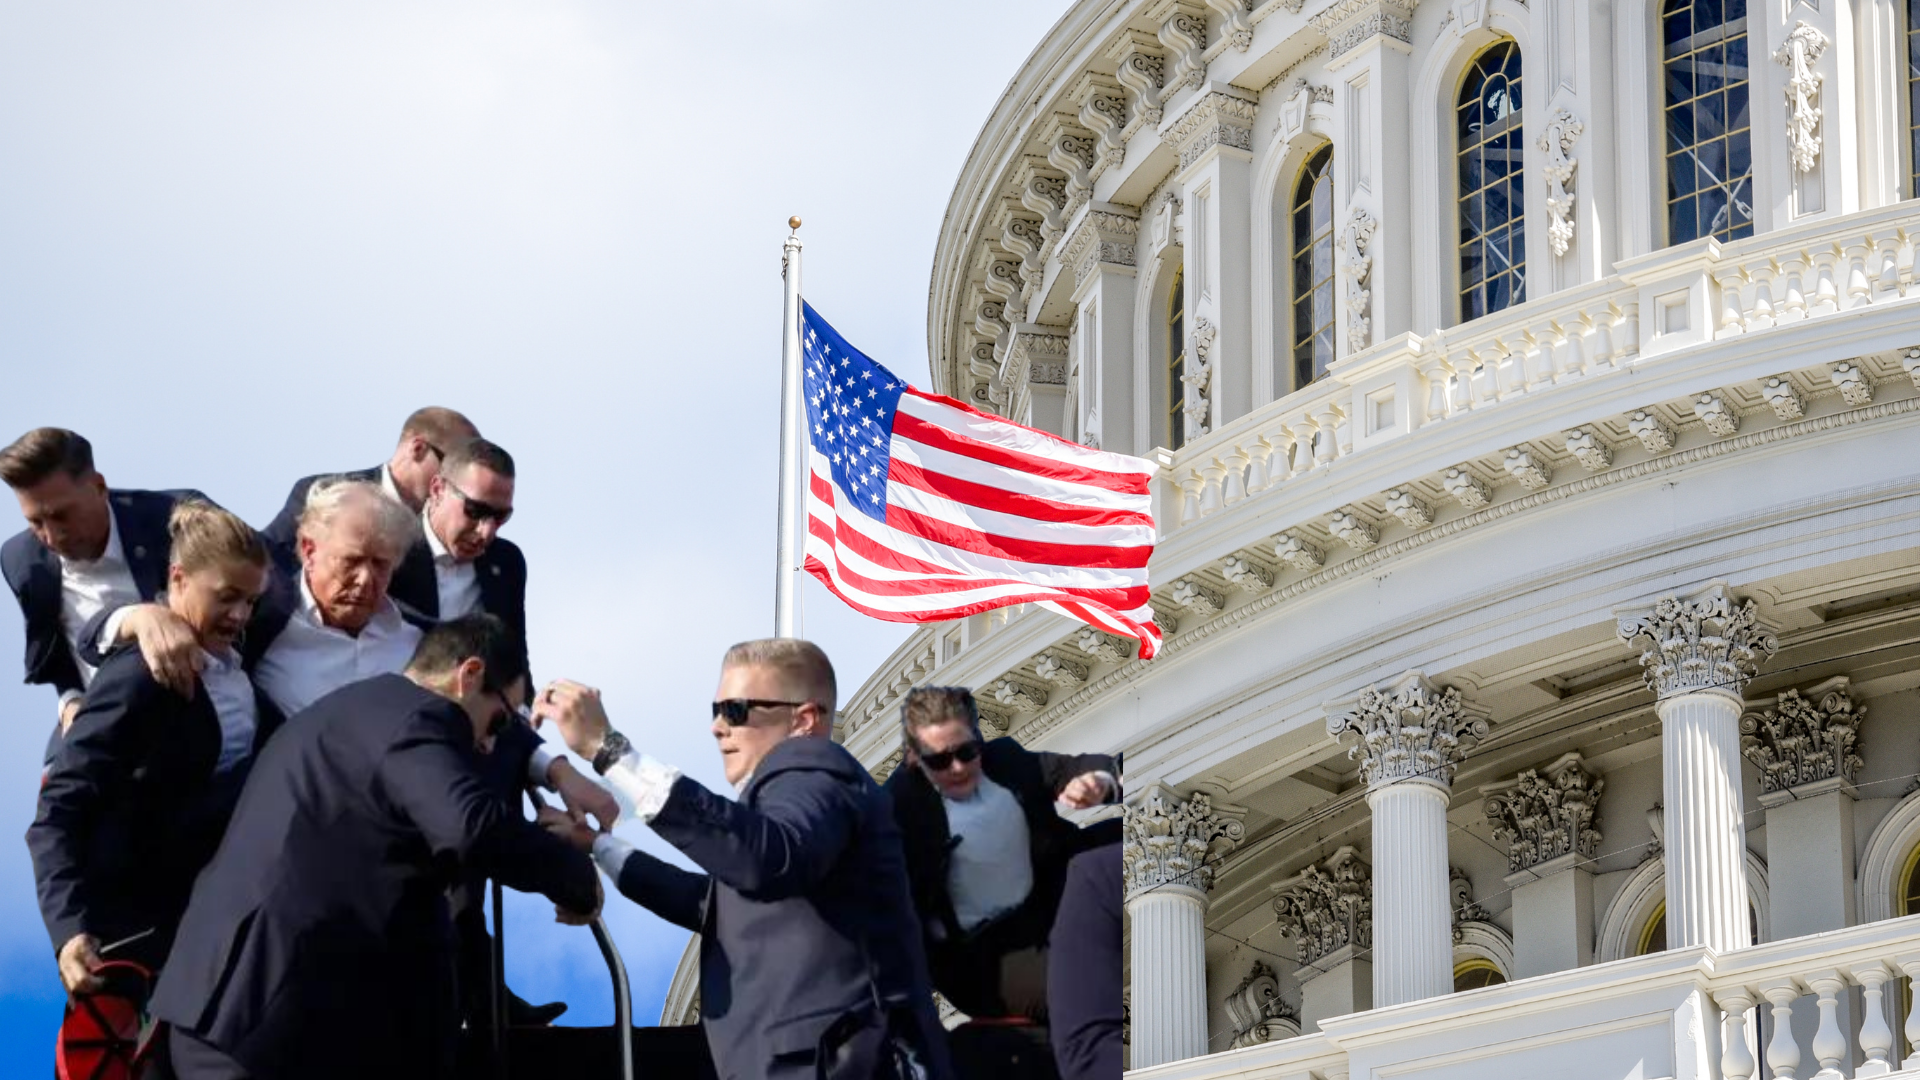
(1653, 936)
(1313, 269)
(1493, 241)
(1476, 973)
(1709, 153)
(1177, 366)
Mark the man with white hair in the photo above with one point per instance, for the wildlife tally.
(332, 623)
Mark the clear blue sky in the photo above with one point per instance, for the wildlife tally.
(239, 242)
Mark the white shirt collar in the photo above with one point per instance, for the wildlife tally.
(387, 613)
(434, 547)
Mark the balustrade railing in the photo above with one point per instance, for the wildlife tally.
(1809, 271)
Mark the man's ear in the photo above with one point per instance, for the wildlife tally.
(98, 483)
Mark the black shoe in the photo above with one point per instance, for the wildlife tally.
(523, 1014)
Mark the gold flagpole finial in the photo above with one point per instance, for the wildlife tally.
(794, 223)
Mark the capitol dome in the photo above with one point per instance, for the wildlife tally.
(1536, 394)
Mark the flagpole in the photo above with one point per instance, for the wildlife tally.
(792, 446)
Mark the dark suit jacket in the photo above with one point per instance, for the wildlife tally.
(318, 941)
(1083, 969)
(132, 808)
(33, 574)
(501, 571)
(803, 912)
(1035, 779)
(281, 531)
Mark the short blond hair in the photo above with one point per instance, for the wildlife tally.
(803, 667)
(331, 496)
(204, 535)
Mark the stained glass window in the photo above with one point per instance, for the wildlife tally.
(1313, 269)
(1709, 152)
(1493, 241)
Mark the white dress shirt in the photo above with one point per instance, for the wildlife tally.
(90, 586)
(641, 786)
(311, 659)
(233, 702)
(990, 869)
(458, 583)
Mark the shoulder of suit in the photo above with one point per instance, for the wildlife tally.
(813, 755)
(124, 673)
(16, 553)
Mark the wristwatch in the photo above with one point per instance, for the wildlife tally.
(612, 748)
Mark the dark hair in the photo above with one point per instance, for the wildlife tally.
(926, 706)
(40, 453)
(482, 637)
(478, 451)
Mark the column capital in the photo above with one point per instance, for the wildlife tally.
(1348, 24)
(1327, 907)
(1704, 640)
(1105, 235)
(1409, 729)
(1216, 118)
(1805, 739)
(1543, 814)
(1173, 843)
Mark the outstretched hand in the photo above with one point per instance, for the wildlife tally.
(1087, 789)
(577, 710)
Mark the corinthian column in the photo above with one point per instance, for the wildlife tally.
(1699, 651)
(1412, 735)
(1169, 855)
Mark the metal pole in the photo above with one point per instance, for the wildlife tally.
(793, 429)
(622, 997)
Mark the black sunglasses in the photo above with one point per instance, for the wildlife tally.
(478, 510)
(735, 710)
(938, 762)
(500, 721)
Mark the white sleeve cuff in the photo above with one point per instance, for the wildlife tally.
(644, 782)
(610, 853)
(1113, 784)
(66, 698)
(539, 765)
(110, 630)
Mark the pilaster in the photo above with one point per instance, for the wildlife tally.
(1804, 746)
(1102, 252)
(1698, 651)
(1327, 911)
(1214, 137)
(1369, 58)
(1546, 818)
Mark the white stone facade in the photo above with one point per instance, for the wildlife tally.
(1506, 640)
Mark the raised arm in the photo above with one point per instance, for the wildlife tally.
(435, 783)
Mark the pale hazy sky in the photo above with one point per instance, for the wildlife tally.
(239, 242)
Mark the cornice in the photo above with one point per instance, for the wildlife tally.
(1244, 614)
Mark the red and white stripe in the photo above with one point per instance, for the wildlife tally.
(983, 513)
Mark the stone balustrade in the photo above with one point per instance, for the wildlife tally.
(1808, 272)
(1688, 1012)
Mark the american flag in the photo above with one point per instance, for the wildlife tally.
(920, 508)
